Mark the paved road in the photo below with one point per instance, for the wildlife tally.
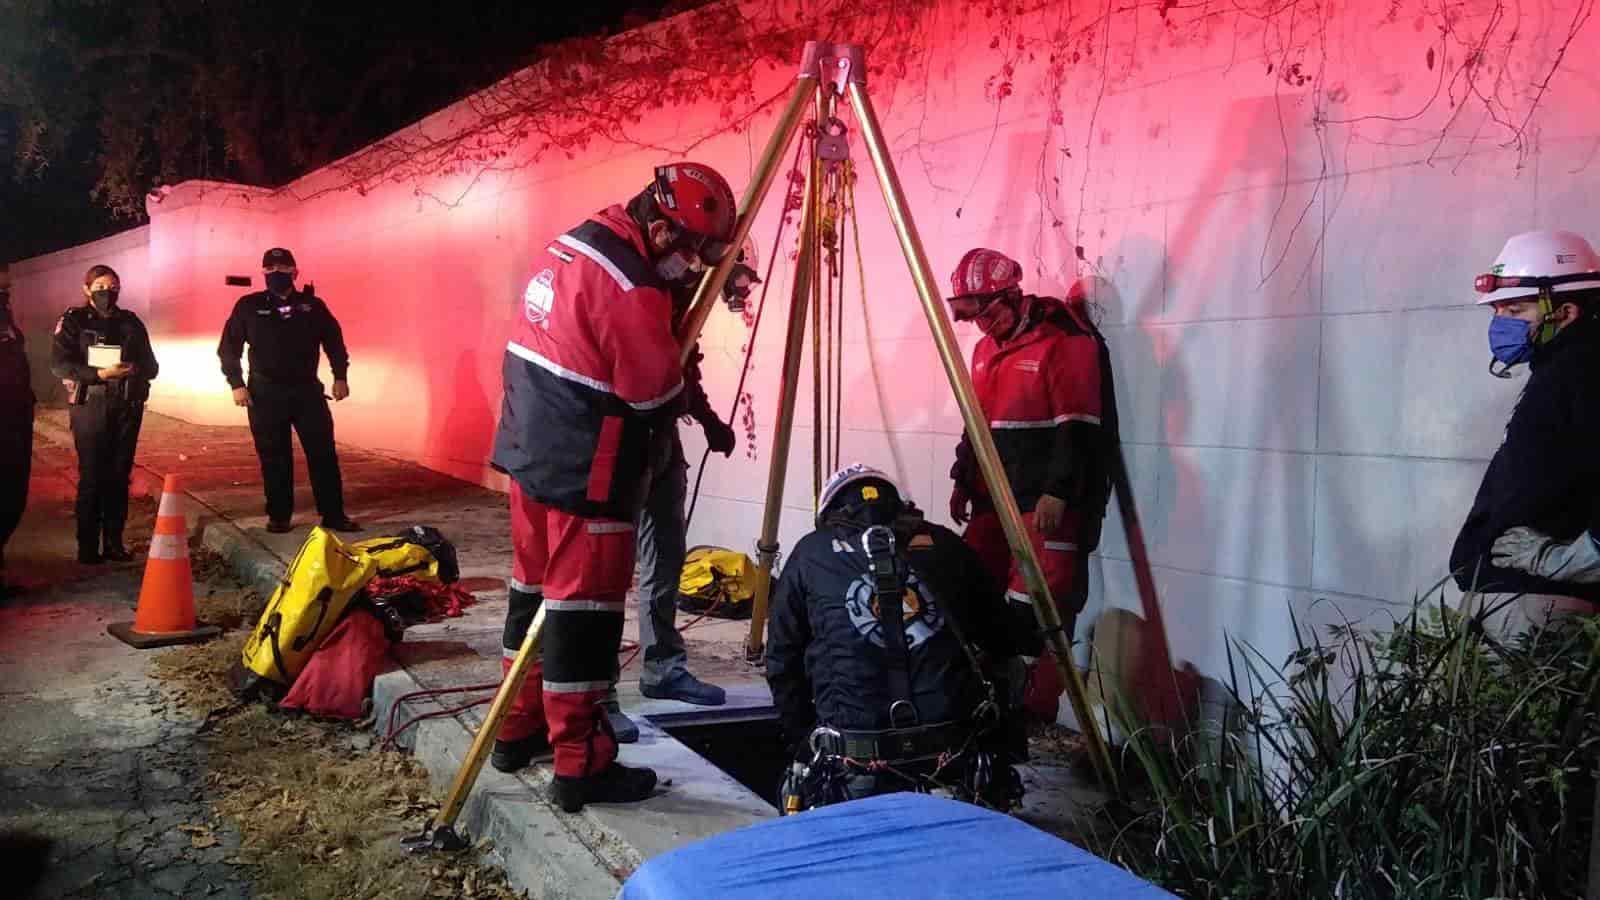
(91, 755)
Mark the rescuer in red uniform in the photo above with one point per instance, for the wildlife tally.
(591, 374)
(1043, 379)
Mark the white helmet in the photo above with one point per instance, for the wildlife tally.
(850, 475)
(1558, 260)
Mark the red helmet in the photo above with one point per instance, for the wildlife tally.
(980, 275)
(699, 201)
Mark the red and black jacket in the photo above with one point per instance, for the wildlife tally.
(591, 371)
(1050, 399)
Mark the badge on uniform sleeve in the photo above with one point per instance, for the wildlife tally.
(539, 296)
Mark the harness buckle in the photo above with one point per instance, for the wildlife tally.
(903, 706)
(822, 731)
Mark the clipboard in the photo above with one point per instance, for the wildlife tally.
(104, 356)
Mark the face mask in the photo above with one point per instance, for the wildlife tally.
(673, 267)
(280, 282)
(998, 320)
(1510, 339)
(103, 300)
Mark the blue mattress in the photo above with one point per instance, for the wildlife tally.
(883, 848)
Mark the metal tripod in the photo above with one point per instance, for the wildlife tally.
(828, 74)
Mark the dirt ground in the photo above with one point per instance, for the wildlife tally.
(128, 773)
(320, 812)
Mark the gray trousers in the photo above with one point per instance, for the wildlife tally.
(661, 550)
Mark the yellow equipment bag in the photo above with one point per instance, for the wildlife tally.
(319, 583)
(393, 557)
(718, 582)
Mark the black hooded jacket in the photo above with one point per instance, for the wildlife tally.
(1546, 474)
(826, 658)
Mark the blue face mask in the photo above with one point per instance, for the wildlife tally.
(1510, 340)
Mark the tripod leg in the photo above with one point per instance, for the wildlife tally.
(755, 193)
(473, 764)
(793, 352)
(977, 426)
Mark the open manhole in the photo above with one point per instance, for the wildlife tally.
(752, 752)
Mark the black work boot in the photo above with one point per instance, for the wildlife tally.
(616, 783)
(511, 756)
(114, 550)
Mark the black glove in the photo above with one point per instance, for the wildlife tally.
(736, 290)
(719, 435)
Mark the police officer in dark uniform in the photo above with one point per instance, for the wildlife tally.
(16, 422)
(285, 329)
(102, 353)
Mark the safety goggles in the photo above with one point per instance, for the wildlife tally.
(1488, 283)
(709, 250)
(966, 307)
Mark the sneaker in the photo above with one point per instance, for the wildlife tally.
(280, 526)
(343, 523)
(511, 756)
(681, 685)
(622, 727)
(616, 783)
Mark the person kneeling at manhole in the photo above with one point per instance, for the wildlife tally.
(885, 629)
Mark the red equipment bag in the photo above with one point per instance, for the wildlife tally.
(340, 674)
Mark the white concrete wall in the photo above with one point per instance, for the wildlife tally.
(1301, 371)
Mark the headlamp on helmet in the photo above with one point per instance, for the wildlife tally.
(859, 496)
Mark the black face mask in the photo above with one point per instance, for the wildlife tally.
(280, 282)
(104, 301)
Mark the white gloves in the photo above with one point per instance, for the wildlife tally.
(1574, 562)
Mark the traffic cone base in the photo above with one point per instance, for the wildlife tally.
(124, 632)
(165, 615)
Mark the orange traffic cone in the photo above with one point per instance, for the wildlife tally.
(166, 600)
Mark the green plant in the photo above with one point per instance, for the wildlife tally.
(1438, 759)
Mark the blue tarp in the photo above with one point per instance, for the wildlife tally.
(885, 848)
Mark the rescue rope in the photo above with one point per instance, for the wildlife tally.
(392, 734)
(817, 218)
(755, 328)
(846, 215)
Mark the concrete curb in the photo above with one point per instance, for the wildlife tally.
(254, 564)
(546, 853)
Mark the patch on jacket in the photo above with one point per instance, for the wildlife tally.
(1028, 365)
(923, 618)
(539, 297)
